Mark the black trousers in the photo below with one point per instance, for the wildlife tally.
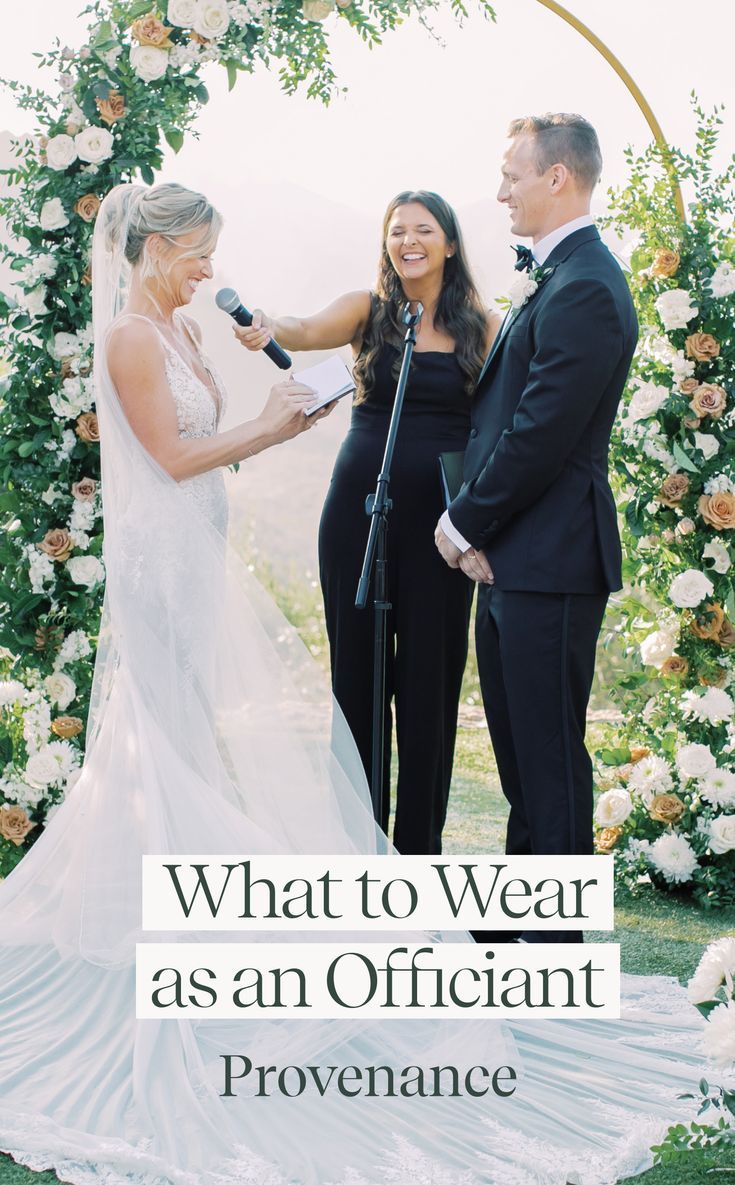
(536, 658)
(427, 650)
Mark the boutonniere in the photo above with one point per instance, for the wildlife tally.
(527, 285)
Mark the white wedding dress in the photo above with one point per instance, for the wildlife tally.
(211, 732)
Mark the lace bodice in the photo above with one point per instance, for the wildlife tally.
(199, 416)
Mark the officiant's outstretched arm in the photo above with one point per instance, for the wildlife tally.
(422, 259)
(535, 522)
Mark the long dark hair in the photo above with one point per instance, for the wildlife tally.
(459, 311)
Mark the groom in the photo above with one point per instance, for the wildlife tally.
(535, 522)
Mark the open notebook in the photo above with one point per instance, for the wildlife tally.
(330, 379)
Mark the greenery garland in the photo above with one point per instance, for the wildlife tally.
(668, 774)
(138, 79)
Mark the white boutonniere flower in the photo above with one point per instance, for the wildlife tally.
(527, 285)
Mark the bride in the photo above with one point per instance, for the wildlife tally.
(209, 732)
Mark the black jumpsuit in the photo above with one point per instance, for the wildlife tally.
(429, 620)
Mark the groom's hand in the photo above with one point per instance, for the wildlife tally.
(447, 550)
(474, 564)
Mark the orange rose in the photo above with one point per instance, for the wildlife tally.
(638, 752)
(703, 347)
(708, 622)
(666, 808)
(606, 839)
(86, 207)
(674, 489)
(57, 543)
(675, 667)
(726, 636)
(84, 490)
(718, 510)
(87, 428)
(709, 399)
(665, 263)
(688, 386)
(66, 727)
(149, 30)
(87, 276)
(112, 108)
(14, 824)
(48, 636)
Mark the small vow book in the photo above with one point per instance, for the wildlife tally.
(451, 466)
(330, 379)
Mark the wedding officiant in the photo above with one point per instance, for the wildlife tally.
(422, 260)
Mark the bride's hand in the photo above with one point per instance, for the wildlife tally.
(283, 415)
(257, 335)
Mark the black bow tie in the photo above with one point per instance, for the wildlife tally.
(525, 261)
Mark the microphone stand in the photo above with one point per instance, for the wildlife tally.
(378, 506)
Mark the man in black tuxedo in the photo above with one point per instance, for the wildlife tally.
(535, 522)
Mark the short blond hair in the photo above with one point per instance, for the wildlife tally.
(563, 138)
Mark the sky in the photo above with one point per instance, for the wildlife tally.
(303, 187)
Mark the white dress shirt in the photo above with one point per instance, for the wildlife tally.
(541, 252)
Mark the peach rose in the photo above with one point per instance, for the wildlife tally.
(84, 490)
(112, 108)
(149, 30)
(86, 207)
(691, 422)
(709, 399)
(726, 636)
(87, 276)
(708, 625)
(48, 636)
(57, 543)
(688, 386)
(638, 752)
(606, 839)
(66, 727)
(668, 535)
(718, 510)
(703, 347)
(675, 667)
(87, 428)
(666, 808)
(14, 824)
(665, 263)
(674, 489)
(67, 368)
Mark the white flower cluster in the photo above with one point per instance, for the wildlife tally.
(690, 588)
(717, 551)
(11, 692)
(81, 522)
(708, 444)
(647, 400)
(74, 647)
(64, 447)
(209, 18)
(36, 720)
(674, 857)
(721, 484)
(714, 706)
(92, 144)
(42, 266)
(60, 688)
(52, 765)
(53, 216)
(40, 569)
(713, 981)
(675, 309)
(660, 645)
(649, 777)
(248, 12)
(722, 282)
(76, 396)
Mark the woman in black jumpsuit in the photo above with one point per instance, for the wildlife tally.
(422, 259)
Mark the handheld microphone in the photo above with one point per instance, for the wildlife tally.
(228, 300)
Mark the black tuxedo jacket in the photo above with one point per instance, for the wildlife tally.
(536, 497)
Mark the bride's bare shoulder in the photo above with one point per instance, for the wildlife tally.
(132, 337)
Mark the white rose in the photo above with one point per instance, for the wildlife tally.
(522, 290)
(10, 692)
(716, 965)
(722, 834)
(53, 216)
(60, 152)
(719, 1034)
(60, 688)
(94, 144)
(64, 345)
(675, 309)
(42, 769)
(182, 13)
(695, 761)
(34, 302)
(681, 366)
(85, 569)
(647, 400)
(657, 647)
(720, 556)
(718, 787)
(148, 62)
(707, 443)
(613, 808)
(674, 857)
(690, 588)
(722, 282)
(212, 19)
(714, 707)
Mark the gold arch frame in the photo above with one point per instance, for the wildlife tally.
(632, 86)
